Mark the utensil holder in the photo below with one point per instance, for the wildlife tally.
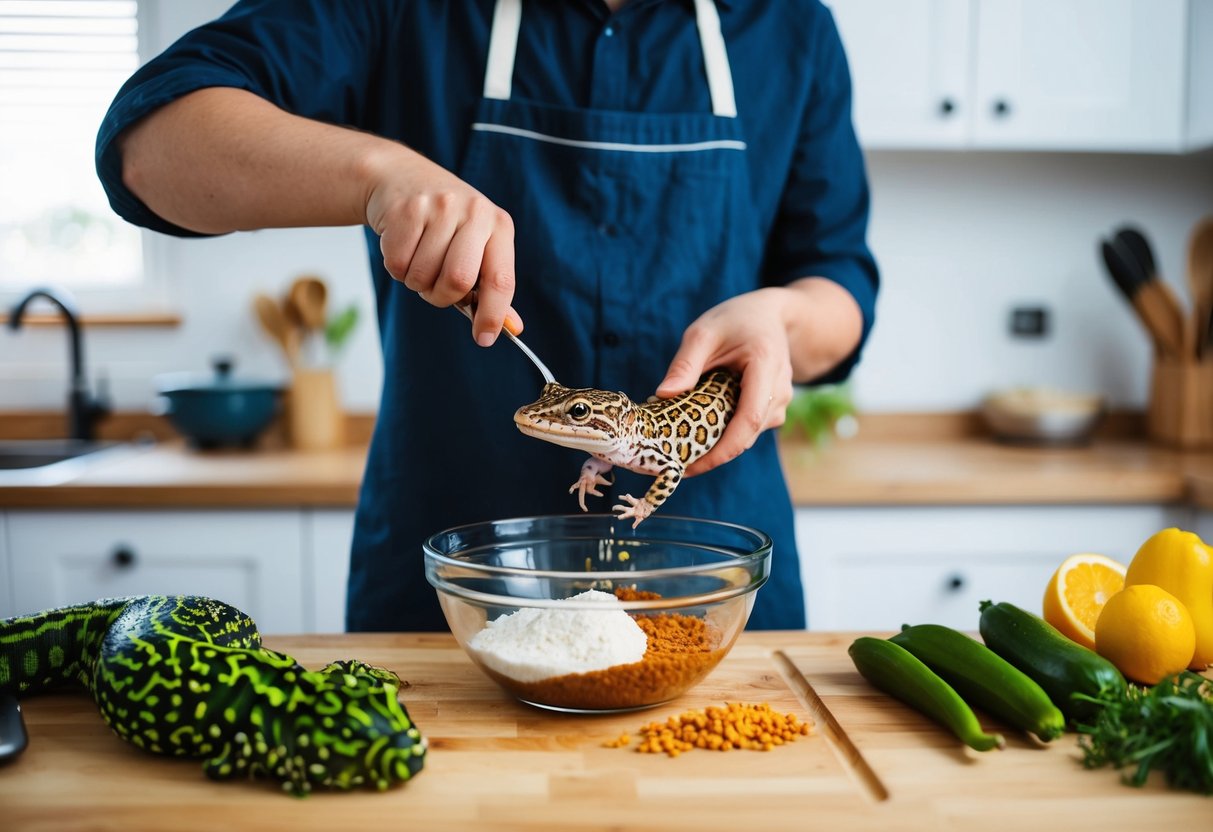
(314, 417)
(1181, 403)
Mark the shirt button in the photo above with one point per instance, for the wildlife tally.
(609, 31)
(610, 339)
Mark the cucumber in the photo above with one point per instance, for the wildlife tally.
(894, 670)
(984, 678)
(1057, 664)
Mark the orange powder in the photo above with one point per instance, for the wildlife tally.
(681, 650)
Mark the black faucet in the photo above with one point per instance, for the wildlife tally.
(83, 410)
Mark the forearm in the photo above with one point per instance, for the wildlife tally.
(223, 159)
(824, 325)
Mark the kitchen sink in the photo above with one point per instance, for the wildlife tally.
(50, 461)
(35, 453)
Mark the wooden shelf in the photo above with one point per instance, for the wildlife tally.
(104, 319)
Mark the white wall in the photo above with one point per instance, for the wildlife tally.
(961, 237)
(213, 282)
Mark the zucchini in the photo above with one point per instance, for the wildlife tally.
(894, 670)
(1057, 664)
(984, 678)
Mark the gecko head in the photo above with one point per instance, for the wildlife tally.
(583, 418)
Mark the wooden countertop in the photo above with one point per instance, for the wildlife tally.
(872, 763)
(171, 474)
(963, 470)
(978, 471)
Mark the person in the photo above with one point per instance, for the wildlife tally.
(657, 187)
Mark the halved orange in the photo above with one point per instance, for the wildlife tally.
(1077, 592)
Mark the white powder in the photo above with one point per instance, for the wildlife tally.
(533, 644)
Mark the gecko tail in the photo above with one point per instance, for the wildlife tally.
(54, 647)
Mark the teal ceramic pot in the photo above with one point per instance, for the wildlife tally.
(220, 410)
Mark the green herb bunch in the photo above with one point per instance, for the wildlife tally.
(814, 411)
(1167, 727)
(339, 327)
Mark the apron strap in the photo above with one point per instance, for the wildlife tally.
(715, 59)
(503, 43)
(503, 46)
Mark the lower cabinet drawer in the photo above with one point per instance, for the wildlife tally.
(876, 568)
(7, 601)
(943, 591)
(251, 560)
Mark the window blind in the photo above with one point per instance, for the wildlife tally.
(61, 62)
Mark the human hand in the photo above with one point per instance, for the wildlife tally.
(443, 239)
(746, 334)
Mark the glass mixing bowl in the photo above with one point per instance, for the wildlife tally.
(668, 601)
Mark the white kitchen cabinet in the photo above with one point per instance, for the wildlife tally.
(327, 537)
(1073, 75)
(909, 62)
(249, 559)
(876, 568)
(7, 602)
(1080, 74)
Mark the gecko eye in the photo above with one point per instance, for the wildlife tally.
(579, 410)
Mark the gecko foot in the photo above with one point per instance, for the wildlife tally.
(637, 508)
(588, 484)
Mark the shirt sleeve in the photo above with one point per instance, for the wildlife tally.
(821, 227)
(314, 58)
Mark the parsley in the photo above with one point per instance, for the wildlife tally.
(1167, 727)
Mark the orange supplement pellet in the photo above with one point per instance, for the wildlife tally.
(735, 726)
(623, 740)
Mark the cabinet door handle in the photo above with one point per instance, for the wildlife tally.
(947, 107)
(955, 583)
(123, 557)
(1002, 107)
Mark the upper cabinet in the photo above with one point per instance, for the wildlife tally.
(1085, 75)
(909, 63)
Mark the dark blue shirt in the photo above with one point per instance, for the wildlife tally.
(617, 253)
(413, 70)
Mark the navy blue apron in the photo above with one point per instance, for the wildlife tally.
(628, 226)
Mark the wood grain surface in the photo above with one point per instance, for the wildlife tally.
(957, 471)
(494, 764)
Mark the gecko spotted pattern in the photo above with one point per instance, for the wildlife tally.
(659, 437)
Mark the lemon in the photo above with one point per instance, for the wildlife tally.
(1077, 593)
(1182, 564)
(1146, 632)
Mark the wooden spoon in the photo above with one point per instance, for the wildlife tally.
(1200, 280)
(273, 321)
(309, 297)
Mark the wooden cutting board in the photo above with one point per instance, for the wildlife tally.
(494, 764)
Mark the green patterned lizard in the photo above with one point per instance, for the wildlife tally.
(187, 676)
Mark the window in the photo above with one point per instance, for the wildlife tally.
(61, 63)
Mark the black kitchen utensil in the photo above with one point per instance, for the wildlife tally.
(1159, 313)
(1138, 246)
(13, 738)
(1125, 273)
(1135, 246)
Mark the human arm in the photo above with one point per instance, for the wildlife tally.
(817, 306)
(240, 125)
(222, 159)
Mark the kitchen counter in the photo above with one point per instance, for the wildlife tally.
(871, 762)
(961, 470)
